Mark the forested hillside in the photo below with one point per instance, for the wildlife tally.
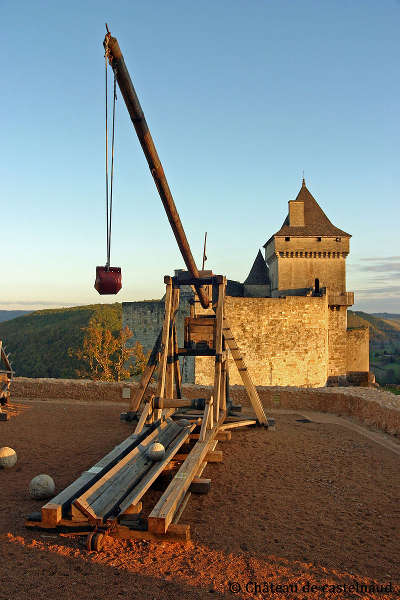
(384, 343)
(39, 342)
(7, 315)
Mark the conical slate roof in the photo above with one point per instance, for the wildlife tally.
(259, 273)
(316, 223)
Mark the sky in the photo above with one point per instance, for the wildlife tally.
(240, 96)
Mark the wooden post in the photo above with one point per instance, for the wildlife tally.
(171, 359)
(143, 416)
(164, 344)
(218, 346)
(177, 368)
(207, 419)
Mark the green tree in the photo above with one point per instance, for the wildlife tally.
(107, 357)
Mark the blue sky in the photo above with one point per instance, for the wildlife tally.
(240, 97)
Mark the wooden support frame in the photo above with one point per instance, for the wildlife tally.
(116, 485)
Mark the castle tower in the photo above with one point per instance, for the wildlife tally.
(257, 283)
(308, 253)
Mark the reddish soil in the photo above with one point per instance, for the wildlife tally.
(309, 504)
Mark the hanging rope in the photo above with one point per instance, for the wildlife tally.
(109, 184)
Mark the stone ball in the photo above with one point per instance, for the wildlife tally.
(156, 451)
(183, 422)
(8, 457)
(42, 487)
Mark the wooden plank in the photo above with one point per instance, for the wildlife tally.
(200, 485)
(133, 509)
(183, 503)
(81, 500)
(51, 514)
(207, 419)
(214, 456)
(89, 477)
(162, 514)
(143, 416)
(247, 382)
(177, 368)
(224, 368)
(139, 490)
(115, 489)
(172, 402)
(164, 344)
(234, 424)
(77, 515)
(219, 315)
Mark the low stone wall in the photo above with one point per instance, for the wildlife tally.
(373, 407)
(68, 389)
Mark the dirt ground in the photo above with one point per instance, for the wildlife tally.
(311, 504)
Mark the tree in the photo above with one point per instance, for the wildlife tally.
(106, 357)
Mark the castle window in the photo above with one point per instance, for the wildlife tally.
(319, 239)
(338, 239)
(287, 239)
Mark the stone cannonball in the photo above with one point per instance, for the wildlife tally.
(42, 487)
(156, 451)
(8, 457)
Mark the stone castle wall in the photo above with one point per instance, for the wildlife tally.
(145, 320)
(337, 341)
(292, 341)
(301, 272)
(284, 341)
(357, 350)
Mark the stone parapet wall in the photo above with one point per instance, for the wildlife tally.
(68, 389)
(372, 407)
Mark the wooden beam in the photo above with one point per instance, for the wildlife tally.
(233, 425)
(51, 514)
(143, 416)
(182, 505)
(81, 501)
(64, 499)
(164, 344)
(139, 490)
(200, 485)
(177, 367)
(207, 419)
(247, 382)
(219, 316)
(133, 509)
(162, 514)
(214, 456)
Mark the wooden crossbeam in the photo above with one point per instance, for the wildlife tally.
(235, 424)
